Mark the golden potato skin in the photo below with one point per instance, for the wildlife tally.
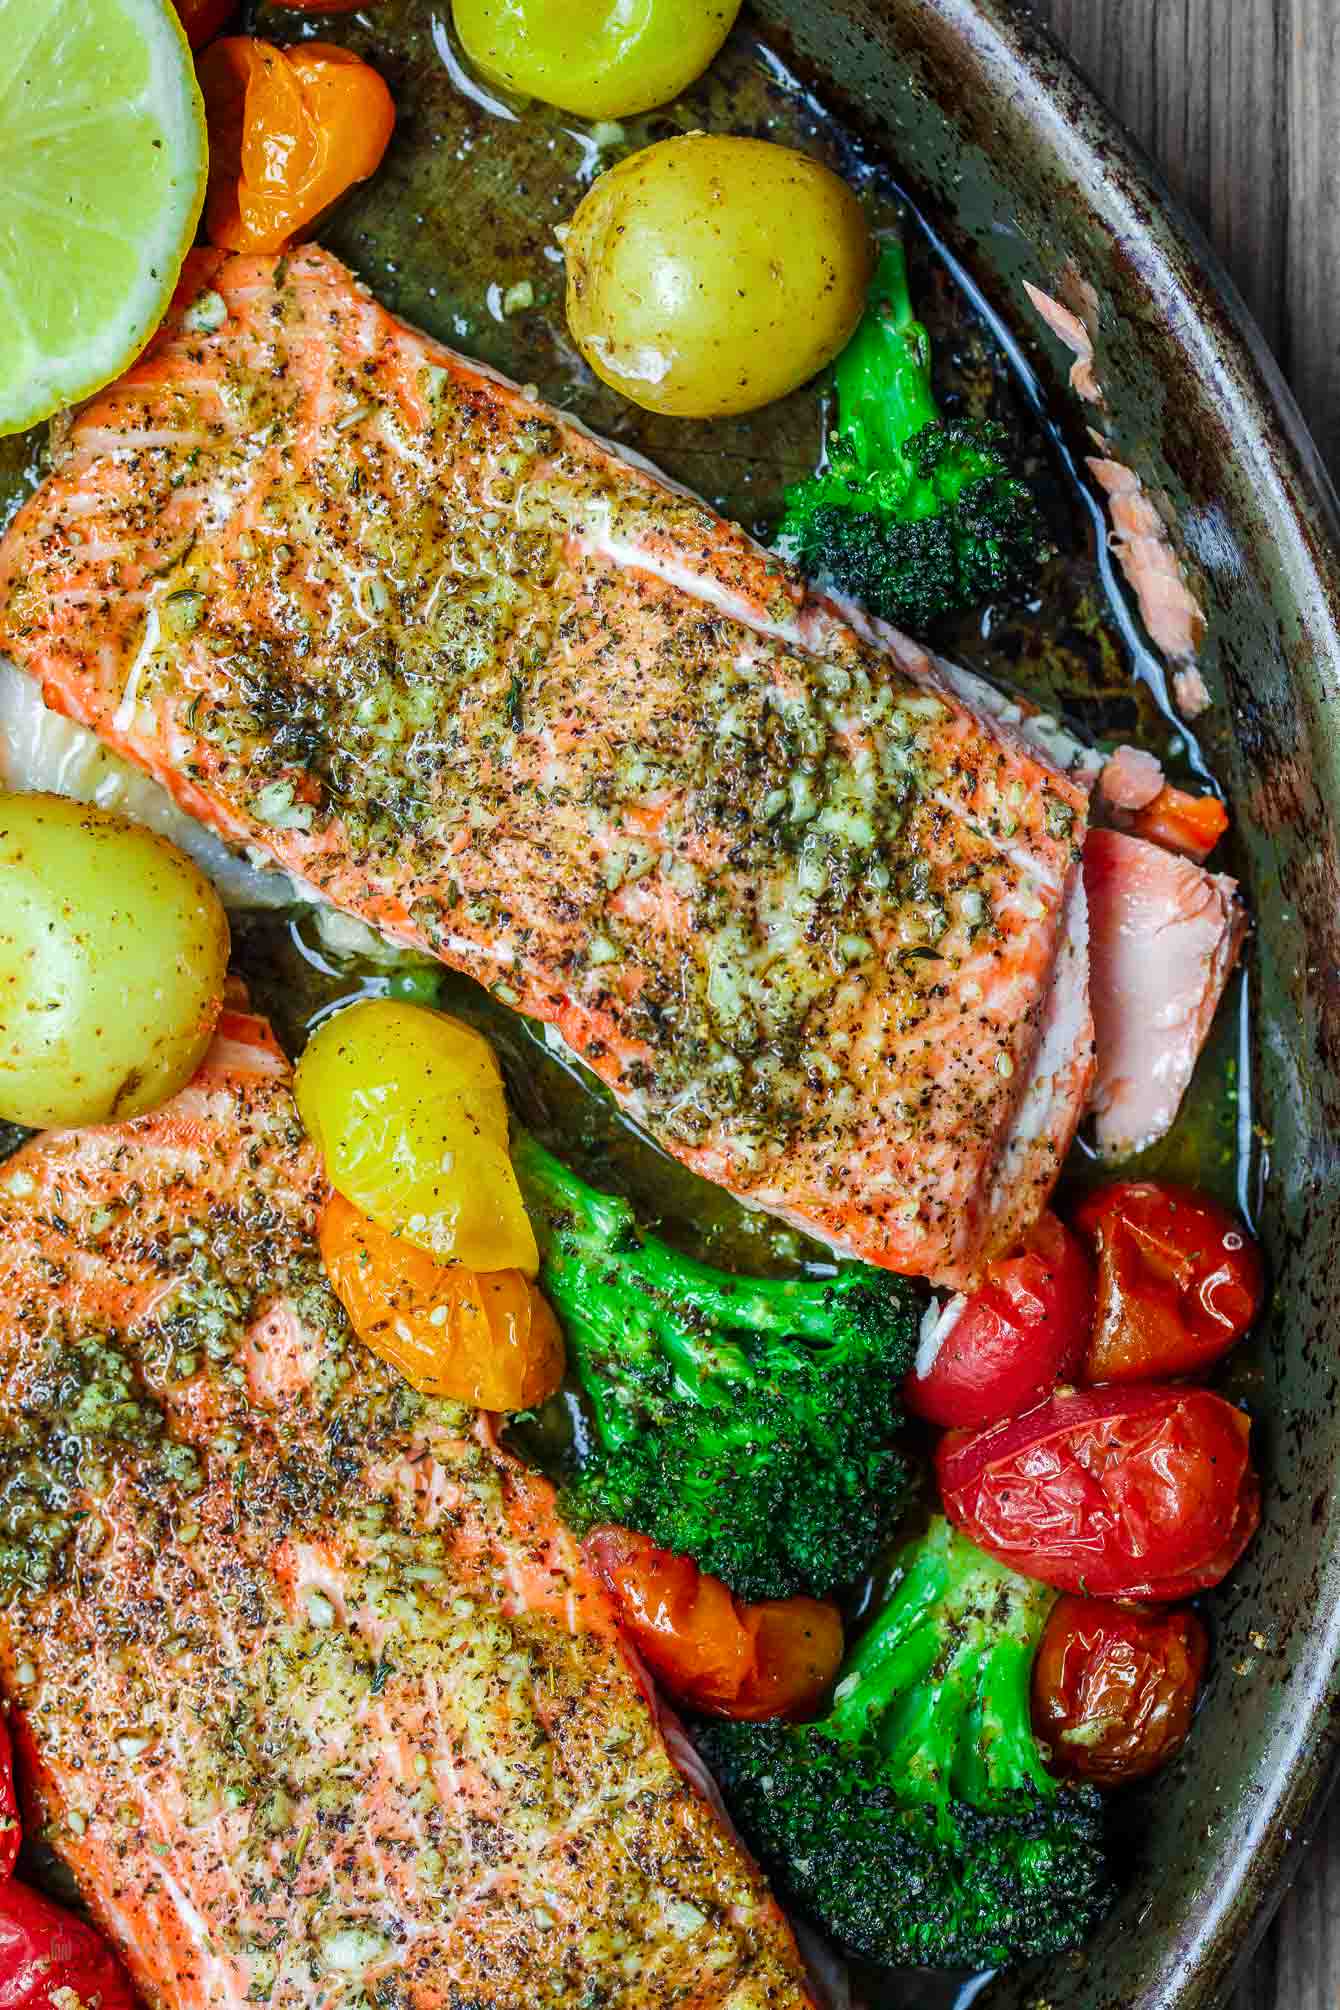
(113, 955)
(598, 58)
(711, 274)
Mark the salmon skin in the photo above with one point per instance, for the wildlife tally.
(314, 1695)
(814, 919)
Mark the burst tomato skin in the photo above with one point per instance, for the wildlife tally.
(1144, 1492)
(712, 1650)
(1180, 1280)
(1114, 1688)
(1016, 1337)
(48, 1955)
(290, 131)
(487, 1338)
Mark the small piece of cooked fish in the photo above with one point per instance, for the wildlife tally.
(315, 1696)
(815, 919)
(1164, 937)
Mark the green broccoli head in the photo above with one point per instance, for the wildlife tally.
(750, 1423)
(914, 516)
(916, 1822)
(977, 536)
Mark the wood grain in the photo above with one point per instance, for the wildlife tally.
(1238, 101)
(1311, 353)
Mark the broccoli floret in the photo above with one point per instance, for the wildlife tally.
(914, 516)
(749, 1423)
(915, 1822)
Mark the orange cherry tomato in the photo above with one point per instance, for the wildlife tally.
(1182, 822)
(710, 1649)
(1114, 1688)
(202, 19)
(289, 131)
(1179, 1280)
(481, 1337)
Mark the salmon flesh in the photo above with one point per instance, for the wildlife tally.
(1165, 935)
(315, 1695)
(815, 919)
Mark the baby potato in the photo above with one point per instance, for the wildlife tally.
(408, 1109)
(711, 274)
(601, 59)
(113, 955)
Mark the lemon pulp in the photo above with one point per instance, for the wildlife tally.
(102, 175)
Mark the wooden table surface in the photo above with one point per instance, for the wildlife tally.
(1239, 103)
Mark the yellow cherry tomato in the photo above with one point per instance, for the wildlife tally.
(483, 1337)
(407, 1106)
(711, 274)
(602, 59)
(113, 955)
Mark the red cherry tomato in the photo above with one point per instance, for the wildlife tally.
(1024, 1331)
(11, 1832)
(729, 1659)
(202, 19)
(48, 1955)
(1179, 1280)
(1121, 1493)
(1114, 1688)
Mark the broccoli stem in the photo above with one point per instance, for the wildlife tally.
(883, 376)
(913, 515)
(915, 1822)
(884, 396)
(593, 1252)
(563, 1208)
(971, 1625)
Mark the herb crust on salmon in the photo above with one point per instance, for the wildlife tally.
(317, 1699)
(475, 679)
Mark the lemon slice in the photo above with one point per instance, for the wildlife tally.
(102, 174)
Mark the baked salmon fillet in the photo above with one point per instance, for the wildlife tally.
(815, 920)
(314, 1694)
